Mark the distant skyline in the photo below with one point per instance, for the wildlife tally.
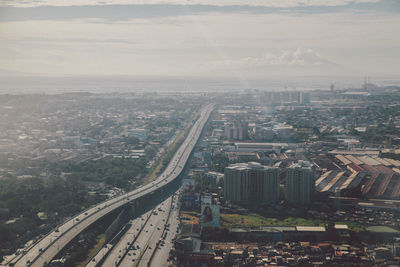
(248, 39)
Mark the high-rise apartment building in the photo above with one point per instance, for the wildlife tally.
(300, 183)
(304, 98)
(251, 183)
(238, 130)
(287, 97)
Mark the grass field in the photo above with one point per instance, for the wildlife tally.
(255, 220)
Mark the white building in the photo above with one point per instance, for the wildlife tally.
(251, 183)
(300, 183)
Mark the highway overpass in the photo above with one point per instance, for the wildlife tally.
(44, 250)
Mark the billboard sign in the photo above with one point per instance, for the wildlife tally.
(188, 202)
(209, 215)
(188, 184)
(206, 200)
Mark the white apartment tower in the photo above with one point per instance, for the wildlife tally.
(251, 183)
(300, 183)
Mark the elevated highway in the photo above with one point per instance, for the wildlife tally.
(50, 245)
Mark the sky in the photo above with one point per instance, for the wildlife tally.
(201, 38)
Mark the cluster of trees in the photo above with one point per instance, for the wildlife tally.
(58, 197)
(116, 172)
(22, 200)
(219, 162)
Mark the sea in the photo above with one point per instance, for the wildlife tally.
(22, 84)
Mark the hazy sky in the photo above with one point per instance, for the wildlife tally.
(240, 38)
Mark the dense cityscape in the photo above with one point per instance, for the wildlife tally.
(199, 133)
(277, 178)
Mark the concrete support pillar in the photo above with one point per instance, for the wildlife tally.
(133, 206)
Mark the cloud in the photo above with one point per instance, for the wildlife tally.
(297, 57)
(259, 3)
(298, 61)
(205, 45)
(122, 10)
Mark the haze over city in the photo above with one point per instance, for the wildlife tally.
(177, 133)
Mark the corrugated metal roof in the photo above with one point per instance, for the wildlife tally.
(396, 163)
(333, 181)
(343, 159)
(384, 162)
(368, 160)
(348, 181)
(322, 177)
(354, 159)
